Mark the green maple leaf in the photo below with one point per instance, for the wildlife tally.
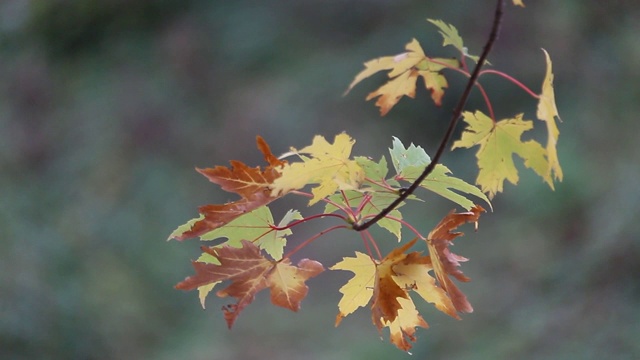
(411, 156)
(274, 242)
(451, 37)
(373, 170)
(254, 226)
(409, 164)
(498, 142)
(249, 226)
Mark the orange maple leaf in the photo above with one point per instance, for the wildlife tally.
(252, 184)
(250, 272)
(445, 262)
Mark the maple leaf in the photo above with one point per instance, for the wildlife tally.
(386, 285)
(498, 141)
(405, 68)
(252, 184)
(518, 3)
(287, 282)
(244, 266)
(358, 290)
(410, 163)
(445, 262)
(325, 164)
(547, 112)
(451, 37)
(375, 170)
(249, 273)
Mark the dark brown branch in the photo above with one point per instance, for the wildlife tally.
(457, 112)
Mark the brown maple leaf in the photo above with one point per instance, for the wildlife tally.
(445, 262)
(251, 183)
(249, 273)
(386, 291)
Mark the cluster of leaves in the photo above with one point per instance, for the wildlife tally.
(353, 189)
(497, 140)
(250, 250)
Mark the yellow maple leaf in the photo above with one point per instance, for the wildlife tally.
(498, 141)
(547, 112)
(518, 3)
(325, 164)
(398, 64)
(356, 292)
(405, 68)
(390, 93)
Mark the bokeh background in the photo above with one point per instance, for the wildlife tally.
(107, 106)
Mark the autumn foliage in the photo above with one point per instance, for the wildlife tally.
(352, 190)
(250, 272)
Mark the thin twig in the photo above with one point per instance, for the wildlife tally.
(495, 29)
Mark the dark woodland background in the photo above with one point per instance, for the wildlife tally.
(107, 106)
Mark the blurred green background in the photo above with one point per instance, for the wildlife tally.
(107, 106)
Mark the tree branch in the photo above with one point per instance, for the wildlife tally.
(495, 30)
